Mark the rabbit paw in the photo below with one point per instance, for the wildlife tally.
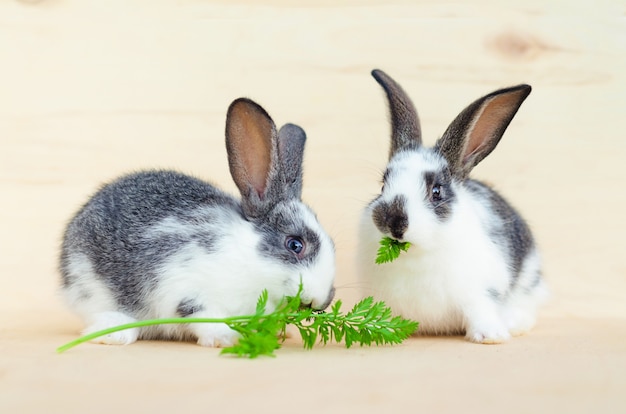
(105, 320)
(519, 322)
(488, 335)
(216, 335)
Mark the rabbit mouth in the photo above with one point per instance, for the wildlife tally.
(329, 298)
(316, 306)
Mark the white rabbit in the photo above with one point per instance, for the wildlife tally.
(473, 266)
(161, 244)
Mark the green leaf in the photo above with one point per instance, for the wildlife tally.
(367, 323)
(390, 249)
(261, 303)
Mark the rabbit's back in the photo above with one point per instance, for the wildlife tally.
(131, 226)
(506, 227)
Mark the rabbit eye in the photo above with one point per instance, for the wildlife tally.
(295, 244)
(437, 192)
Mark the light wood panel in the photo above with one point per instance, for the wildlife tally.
(91, 89)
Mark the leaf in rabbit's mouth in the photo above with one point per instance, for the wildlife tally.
(390, 250)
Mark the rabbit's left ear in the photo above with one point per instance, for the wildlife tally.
(405, 124)
(476, 131)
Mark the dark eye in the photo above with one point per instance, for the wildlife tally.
(295, 244)
(437, 192)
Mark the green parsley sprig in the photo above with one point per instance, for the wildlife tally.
(367, 323)
(390, 249)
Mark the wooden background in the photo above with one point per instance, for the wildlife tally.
(92, 89)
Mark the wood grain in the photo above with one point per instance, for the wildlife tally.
(91, 89)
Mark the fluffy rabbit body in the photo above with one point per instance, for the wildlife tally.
(473, 266)
(161, 244)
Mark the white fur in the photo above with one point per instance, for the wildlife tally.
(93, 302)
(86, 295)
(319, 276)
(226, 282)
(521, 310)
(105, 320)
(443, 280)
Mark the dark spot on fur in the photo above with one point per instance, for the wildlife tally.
(535, 282)
(206, 241)
(443, 200)
(188, 307)
(391, 218)
(510, 233)
(283, 222)
(495, 295)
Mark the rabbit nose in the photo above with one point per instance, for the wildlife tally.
(391, 218)
(398, 232)
(329, 298)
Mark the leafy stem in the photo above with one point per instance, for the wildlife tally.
(262, 333)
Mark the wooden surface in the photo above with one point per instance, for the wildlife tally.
(91, 89)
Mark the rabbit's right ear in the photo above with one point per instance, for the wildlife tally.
(251, 141)
(405, 124)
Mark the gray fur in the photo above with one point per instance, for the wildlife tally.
(291, 140)
(495, 295)
(454, 142)
(282, 222)
(188, 307)
(405, 125)
(391, 218)
(508, 229)
(535, 282)
(443, 179)
(113, 229)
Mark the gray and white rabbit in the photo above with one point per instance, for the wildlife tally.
(161, 244)
(473, 266)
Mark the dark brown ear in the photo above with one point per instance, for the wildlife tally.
(251, 141)
(476, 131)
(405, 124)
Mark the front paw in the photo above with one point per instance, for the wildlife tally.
(105, 320)
(217, 335)
(488, 335)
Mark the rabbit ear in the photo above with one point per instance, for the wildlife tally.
(476, 131)
(291, 140)
(251, 142)
(405, 124)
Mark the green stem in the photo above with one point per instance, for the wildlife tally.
(150, 322)
(364, 324)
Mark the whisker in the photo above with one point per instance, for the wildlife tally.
(351, 285)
